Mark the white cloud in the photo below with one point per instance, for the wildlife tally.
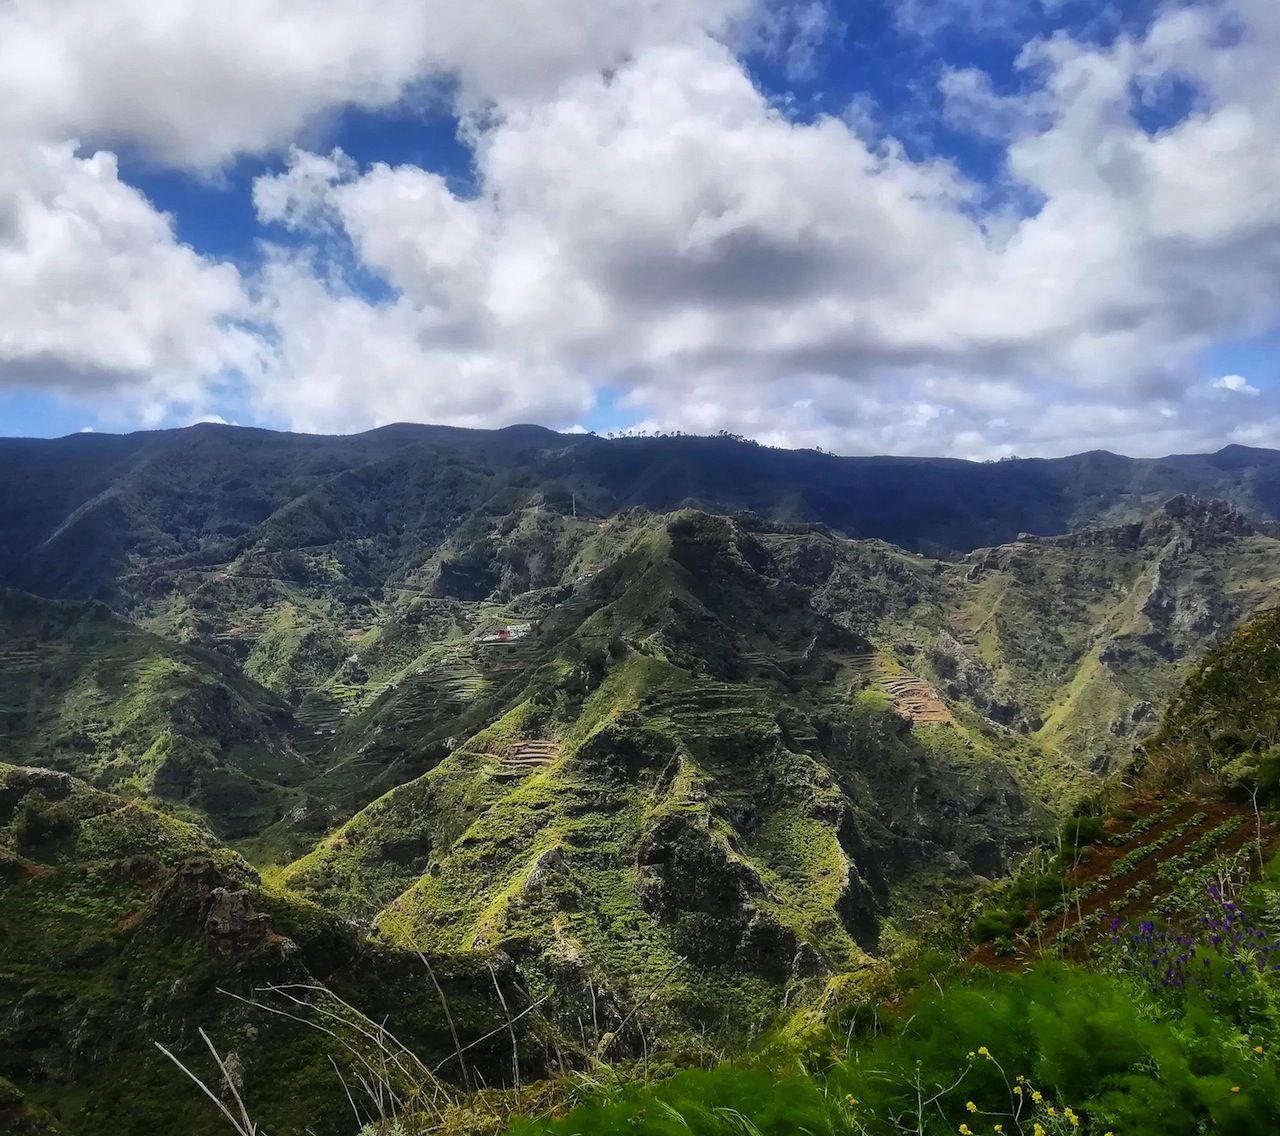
(645, 218)
(797, 34)
(195, 83)
(1237, 383)
(342, 363)
(97, 294)
(666, 230)
(97, 297)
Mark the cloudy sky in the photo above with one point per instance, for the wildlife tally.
(969, 227)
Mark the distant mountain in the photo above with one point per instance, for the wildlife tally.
(103, 516)
(682, 724)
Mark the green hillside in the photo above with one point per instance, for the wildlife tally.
(1224, 723)
(85, 692)
(121, 928)
(658, 751)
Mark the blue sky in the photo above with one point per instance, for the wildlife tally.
(973, 227)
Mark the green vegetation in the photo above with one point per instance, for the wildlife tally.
(1225, 721)
(645, 790)
(121, 927)
(1055, 1050)
(85, 692)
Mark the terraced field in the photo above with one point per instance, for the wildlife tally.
(911, 696)
(317, 721)
(701, 705)
(525, 756)
(1157, 863)
(503, 660)
(438, 688)
(247, 627)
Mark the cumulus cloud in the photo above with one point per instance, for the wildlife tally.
(342, 363)
(195, 84)
(96, 293)
(97, 296)
(1237, 383)
(664, 228)
(643, 217)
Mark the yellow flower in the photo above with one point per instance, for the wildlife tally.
(971, 1055)
(1018, 1089)
(965, 1130)
(1258, 1049)
(1038, 1129)
(850, 1100)
(1020, 1079)
(971, 1106)
(998, 1129)
(1072, 1118)
(1035, 1096)
(1053, 1111)
(985, 1052)
(1235, 1088)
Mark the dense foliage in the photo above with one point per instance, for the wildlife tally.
(1225, 721)
(1061, 1048)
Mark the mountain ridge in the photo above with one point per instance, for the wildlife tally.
(84, 511)
(657, 713)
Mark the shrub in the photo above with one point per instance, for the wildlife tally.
(1060, 1047)
(39, 822)
(1077, 831)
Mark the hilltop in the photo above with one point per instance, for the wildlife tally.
(111, 516)
(509, 697)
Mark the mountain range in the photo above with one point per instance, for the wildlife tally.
(616, 718)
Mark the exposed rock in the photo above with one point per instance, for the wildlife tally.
(767, 946)
(858, 910)
(1140, 719)
(232, 922)
(1197, 521)
(807, 963)
(51, 784)
(546, 865)
(689, 879)
(683, 866)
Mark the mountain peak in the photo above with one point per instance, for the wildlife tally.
(1200, 517)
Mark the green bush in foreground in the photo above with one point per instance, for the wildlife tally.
(1060, 1049)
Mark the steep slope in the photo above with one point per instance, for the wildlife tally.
(1090, 634)
(121, 928)
(725, 754)
(1054, 653)
(85, 692)
(1073, 643)
(1051, 654)
(693, 791)
(1224, 723)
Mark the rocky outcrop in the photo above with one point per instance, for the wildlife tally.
(1196, 522)
(231, 921)
(689, 879)
(21, 780)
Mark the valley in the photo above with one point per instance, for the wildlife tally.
(647, 769)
